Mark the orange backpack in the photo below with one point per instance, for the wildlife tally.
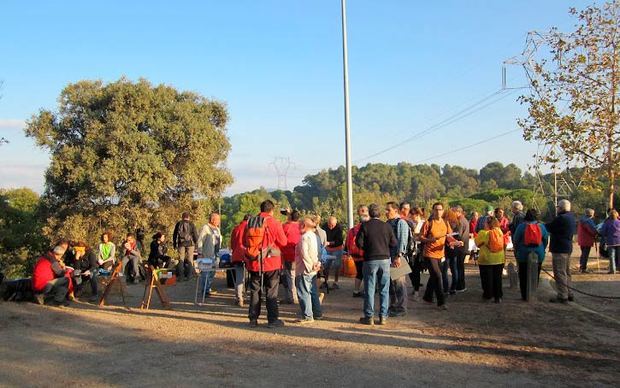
(254, 238)
(496, 240)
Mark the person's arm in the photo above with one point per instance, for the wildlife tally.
(425, 234)
(58, 270)
(403, 236)
(480, 238)
(112, 253)
(204, 232)
(360, 238)
(517, 238)
(552, 226)
(338, 241)
(281, 239)
(391, 237)
(306, 252)
(194, 233)
(93, 263)
(175, 236)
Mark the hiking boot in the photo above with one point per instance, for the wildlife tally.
(39, 299)
(213, 291)
(461, 290)
(443, 307)
(367, 321)
(396, 313)
(558, 300)
(498, 300)
(383, 321)
(93, 299)
(571, 298)
(318, 317)
(304, 321)
(239, 302)
(275, 324)
(253, 323)
(357, 294)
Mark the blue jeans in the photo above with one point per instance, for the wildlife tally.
(614, 257)
(308, 296)
(373, 270)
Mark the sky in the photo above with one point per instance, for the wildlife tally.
(277, 65)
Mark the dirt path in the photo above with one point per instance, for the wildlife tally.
(472, 344)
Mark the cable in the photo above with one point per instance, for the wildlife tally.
(468, 111)
(582, 292)
(469, 146)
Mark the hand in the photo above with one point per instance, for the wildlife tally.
(86, 273)
(396, 263)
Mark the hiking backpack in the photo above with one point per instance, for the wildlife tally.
(184, 233)
(532, 237)
(254, 237)
(496, 240)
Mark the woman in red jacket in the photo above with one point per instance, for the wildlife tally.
(238, 257)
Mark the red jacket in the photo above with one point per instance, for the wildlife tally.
(275, 238)
(236, 243)
(356, 253)
(472, 226)
(504, 225)
(44, 271)
(585, 234)
(292, 231)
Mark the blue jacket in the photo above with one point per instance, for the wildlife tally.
(611, 231)
(522, 250)
(401, 231)
(562, 229)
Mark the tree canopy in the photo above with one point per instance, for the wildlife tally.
(129, 154)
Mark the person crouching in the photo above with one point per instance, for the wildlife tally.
(307, 265)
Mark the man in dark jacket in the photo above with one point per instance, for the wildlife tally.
(335, 247)
(562, 229)
(375, 238)
(184, 240)
(83, 260)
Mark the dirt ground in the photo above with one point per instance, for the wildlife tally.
(472, 344)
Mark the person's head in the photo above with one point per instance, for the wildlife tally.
(157, 236)
(373, 211)
(499, 213)
(405, 209)
(267, 206)
(437, 210)
(80, 249)
(130, 238)
(362, 212)
(475, 215)
(59, 251)
(105, 237)
(491, 222)
(140, 234)
(63, 242)
(589, 213)
(185, 216)
(531, 215)
(332, 222)
(294, 216)
(392, 210)
(516, 207)
(214, 219)
(417, 214)
(564, 206)
(489, 210)
(308, 224)
(613, 214)
(458, 210)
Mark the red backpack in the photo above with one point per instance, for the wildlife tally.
(254, 237)
(532, 237)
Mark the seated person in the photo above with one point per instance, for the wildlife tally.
(106, 256)
(158, 257)
(48, 277)
(132, 254)
(83, 260)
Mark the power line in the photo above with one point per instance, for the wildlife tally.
(470, 145)
(468, 111)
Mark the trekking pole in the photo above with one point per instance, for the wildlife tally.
(260, 271)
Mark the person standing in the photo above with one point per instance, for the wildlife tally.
(354, 252)
(264, 234)
(417, 216)
(209, 244)
(517, 216)
(292, 230)
(184, 240)
(398, 256)
(334, 247)
(492, 246)
(375, 238)
(562, 229)
(238, 257)
(611, 232)
(307, 265)
(435, 233)
(462, 230)
(524, 248)
(586, 235)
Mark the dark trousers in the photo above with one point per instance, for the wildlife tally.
(491, 278)
(460, 267)
(523, 271)
(416, 270)
(57, 288)
(434, 282)
(359, 268)
(583, 259)
(271, 280)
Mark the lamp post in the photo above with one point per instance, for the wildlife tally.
(347, 132)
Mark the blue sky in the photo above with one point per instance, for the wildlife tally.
(277, 65)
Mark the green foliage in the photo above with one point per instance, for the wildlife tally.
(21, 239)
(127, 155)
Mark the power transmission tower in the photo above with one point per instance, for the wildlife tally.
(282, 165)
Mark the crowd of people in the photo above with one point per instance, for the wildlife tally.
(389, 256)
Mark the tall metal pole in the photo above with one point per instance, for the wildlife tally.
(347, 132)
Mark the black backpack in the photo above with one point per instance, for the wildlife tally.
(185, 234)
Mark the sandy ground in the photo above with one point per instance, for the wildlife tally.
(472, 344)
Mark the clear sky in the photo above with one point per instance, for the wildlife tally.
(278, 67)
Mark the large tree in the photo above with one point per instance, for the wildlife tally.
(573, 105)
(129, 154)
